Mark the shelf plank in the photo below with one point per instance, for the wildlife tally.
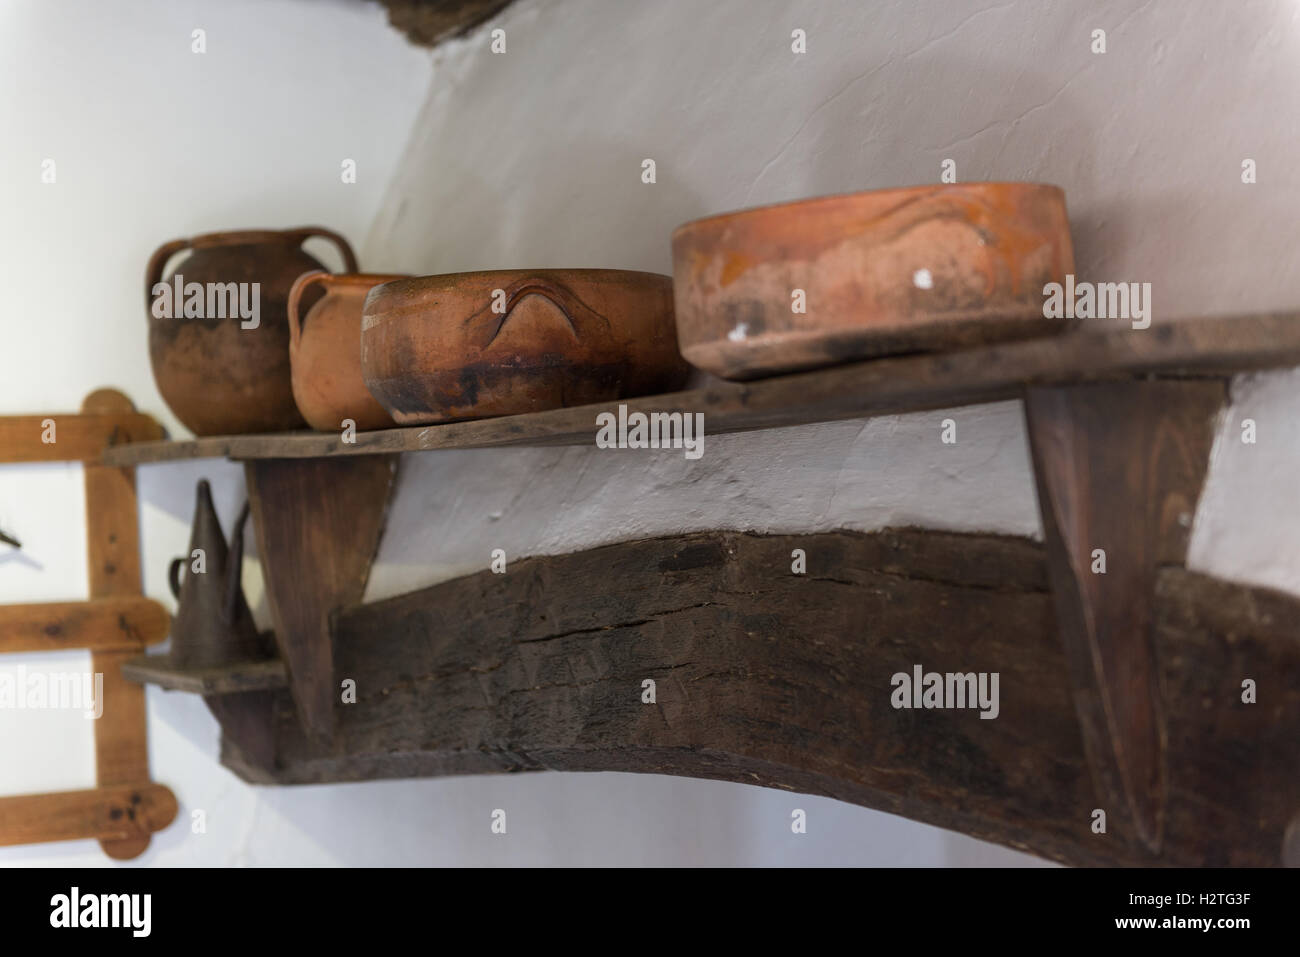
(1192, 347)
(238, 678)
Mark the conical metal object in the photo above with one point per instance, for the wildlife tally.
(213, 625)
(216, 649)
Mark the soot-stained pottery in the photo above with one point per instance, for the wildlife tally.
(474, 345)
(221, 360)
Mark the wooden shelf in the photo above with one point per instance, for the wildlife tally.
(1123, 689)
(1194, 347)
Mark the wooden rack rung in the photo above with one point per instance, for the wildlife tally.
(120, 623)
(106, 813)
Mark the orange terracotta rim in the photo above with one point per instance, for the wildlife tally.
(361, 278)
(901, 192)
(320, 277)
(576, 273)
(412, 288)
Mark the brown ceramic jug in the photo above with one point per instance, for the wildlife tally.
(221, 360)
(325, 352)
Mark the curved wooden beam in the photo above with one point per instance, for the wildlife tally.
(769, 677)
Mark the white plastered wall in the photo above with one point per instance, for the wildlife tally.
(533, 158)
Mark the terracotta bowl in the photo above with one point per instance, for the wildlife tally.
(325, 352)
(902, 270)
(474, 345)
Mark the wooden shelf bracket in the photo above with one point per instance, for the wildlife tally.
(318, 524)
(1119, 469)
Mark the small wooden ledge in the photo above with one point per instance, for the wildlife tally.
(237, 678)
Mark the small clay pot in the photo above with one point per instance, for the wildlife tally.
(829, 280)
(325, 352)
(216, 376)
(474, 345)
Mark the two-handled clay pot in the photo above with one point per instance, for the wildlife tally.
(224, 370)
(325, 352)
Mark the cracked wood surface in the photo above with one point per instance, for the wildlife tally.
(783, 680)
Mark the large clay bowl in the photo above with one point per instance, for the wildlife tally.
(902, 270)
(325, 352)
(474, 345)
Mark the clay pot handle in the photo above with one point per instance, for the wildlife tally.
(295, 296)
(157, 263)
(174, 577)
(349, 259)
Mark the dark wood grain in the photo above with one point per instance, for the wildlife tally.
(318, 526)
(782, 680)
(1234, 766)
(1200, 347)
(1119, 469)
(236, 678)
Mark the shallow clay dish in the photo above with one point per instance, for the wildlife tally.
(474, 345)
(325, 352)
(901, 270)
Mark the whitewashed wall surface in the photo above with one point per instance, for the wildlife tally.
(467, 160)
